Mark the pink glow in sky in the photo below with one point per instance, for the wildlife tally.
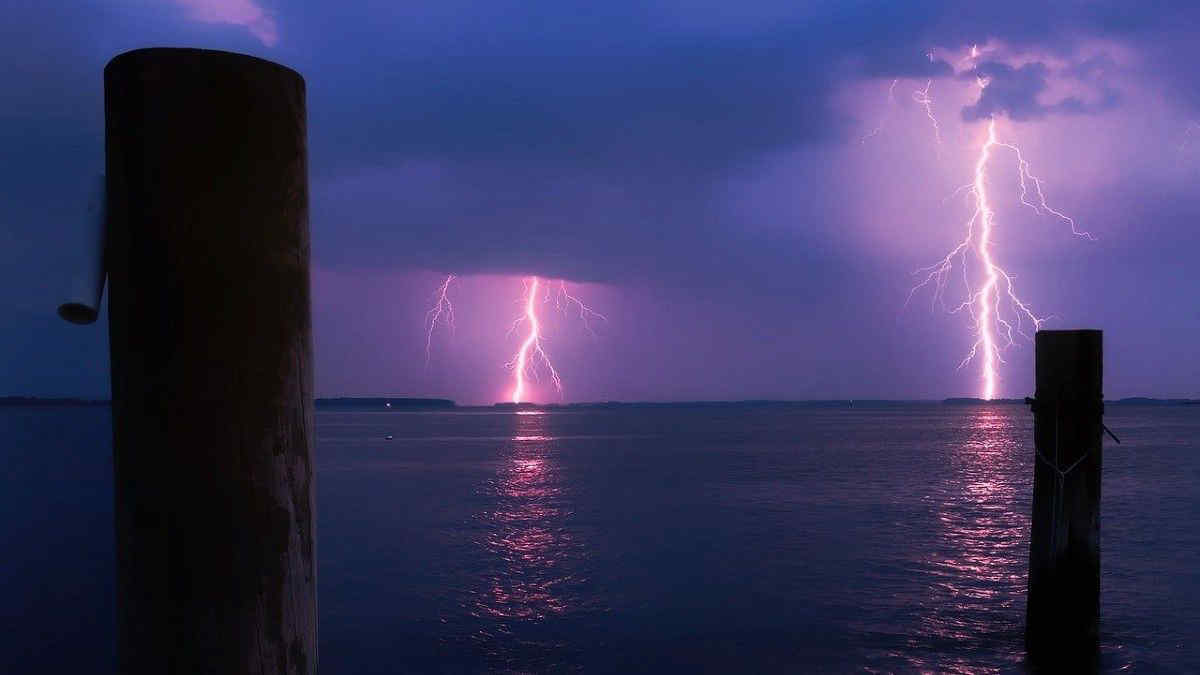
(245, 13)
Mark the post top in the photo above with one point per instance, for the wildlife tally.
(1088, 336)
(1073, 331)
(195, 56)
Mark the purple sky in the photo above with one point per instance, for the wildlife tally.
(695, 170)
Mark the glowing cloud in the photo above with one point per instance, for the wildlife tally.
(244, 13)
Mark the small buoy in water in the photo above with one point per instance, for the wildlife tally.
(388, 437)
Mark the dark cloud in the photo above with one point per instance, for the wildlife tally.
(500, 217)
(1017, 92)
(685, 105)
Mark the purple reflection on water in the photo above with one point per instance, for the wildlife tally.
(975, 586)
(524, 530)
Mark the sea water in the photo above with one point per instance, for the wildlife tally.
(690, 539)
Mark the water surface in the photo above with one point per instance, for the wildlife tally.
(650, 540)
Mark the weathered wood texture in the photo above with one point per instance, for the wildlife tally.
(211, 341)
(1063, 610)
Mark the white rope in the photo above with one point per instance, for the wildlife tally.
(1061, 475)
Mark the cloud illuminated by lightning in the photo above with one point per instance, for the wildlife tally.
(969, 60)
(998, 314)
(442, 312)
(247, 13)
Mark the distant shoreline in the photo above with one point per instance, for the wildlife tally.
(39, 402)
(403, 403)
(385, 402)
(418, 404)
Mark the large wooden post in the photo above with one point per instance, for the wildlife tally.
(1063, 610)
(211, 343)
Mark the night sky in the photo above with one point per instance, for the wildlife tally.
(706, 174)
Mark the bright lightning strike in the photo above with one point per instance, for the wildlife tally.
(531, 359)
(993, 326)
(442, 312)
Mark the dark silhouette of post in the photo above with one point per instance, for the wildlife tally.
(211, 342)
(1063, 610)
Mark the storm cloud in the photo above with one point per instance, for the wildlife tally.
(1017, 92)
(699, 151)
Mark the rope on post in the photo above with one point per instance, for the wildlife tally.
(1059, 472)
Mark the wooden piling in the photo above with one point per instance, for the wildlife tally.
(211, 346)
(1063, 606)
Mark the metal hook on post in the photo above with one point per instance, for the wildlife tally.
(82, 304)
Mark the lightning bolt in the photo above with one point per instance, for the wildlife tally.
(531, 359)
(994, 328)
(531, 353)
(922, 97)
(441, 312)
(891, 100)
(564, 300)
